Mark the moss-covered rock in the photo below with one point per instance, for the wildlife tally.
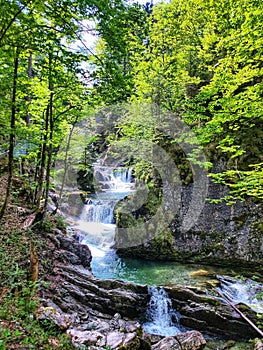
(221, 235)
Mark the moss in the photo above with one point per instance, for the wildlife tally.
(202, 234)
(258, 226)
(213, 234)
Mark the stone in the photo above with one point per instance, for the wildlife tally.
(104, 326)
(86, 337)
(200, 273)
(133, 326)
(131, 342)
(109, 307)
(168, 343)
(50, 314)
(208, 314)
(191, 340)
(115, 339)
(233, 235)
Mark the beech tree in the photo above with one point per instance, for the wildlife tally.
(48, 88)
(202, 60)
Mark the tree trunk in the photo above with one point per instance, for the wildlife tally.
(27, 116)
(41, 175)
(50, 150)
(65, 168)
(51, 129)
(11, 137)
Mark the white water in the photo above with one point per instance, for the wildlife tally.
(96, 222)
(245, 291)
(161, 318)
(97, 226)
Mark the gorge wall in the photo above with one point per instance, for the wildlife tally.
(222, 235)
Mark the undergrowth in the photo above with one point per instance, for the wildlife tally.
(19, 326)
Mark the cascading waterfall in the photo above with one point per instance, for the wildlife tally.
(96, 222)
(162, 319)
(112, 179)
(98, 211)
(115, 183)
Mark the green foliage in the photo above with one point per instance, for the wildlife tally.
(20, 327)
(203, 61)
(122, 29)
(199, 59)
(19, 299)
(13, 270)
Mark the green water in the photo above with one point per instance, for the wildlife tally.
(107, 265)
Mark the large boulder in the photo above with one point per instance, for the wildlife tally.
(221, 234)
(74, 288)
(191, 340)
(210, 314)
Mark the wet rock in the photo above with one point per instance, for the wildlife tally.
(67, 250)
(200, 272)
(208, 314)
(80, 250)
(191, 340)
(107, 307)
(75, 288)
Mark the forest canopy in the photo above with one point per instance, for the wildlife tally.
(200, 60)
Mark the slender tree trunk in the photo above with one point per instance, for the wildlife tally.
(27, 116)
(41, 175)
(50, 150)
(37, 171)
(30, 76)
(11, 137)
(65, 168)
(50, 128)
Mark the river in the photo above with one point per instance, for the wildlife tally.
(97, 229)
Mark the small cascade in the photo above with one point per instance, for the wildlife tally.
(112, 179)
(162, 319)
(98, 211)
(112, 185)
(248, 292)
(96, 222)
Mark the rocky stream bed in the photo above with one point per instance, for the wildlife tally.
(106, 314)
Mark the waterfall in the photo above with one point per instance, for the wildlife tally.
(112, 184)
(112, 179)
(161, 318)
(98, 211)
(96, 222)
(248, 292)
